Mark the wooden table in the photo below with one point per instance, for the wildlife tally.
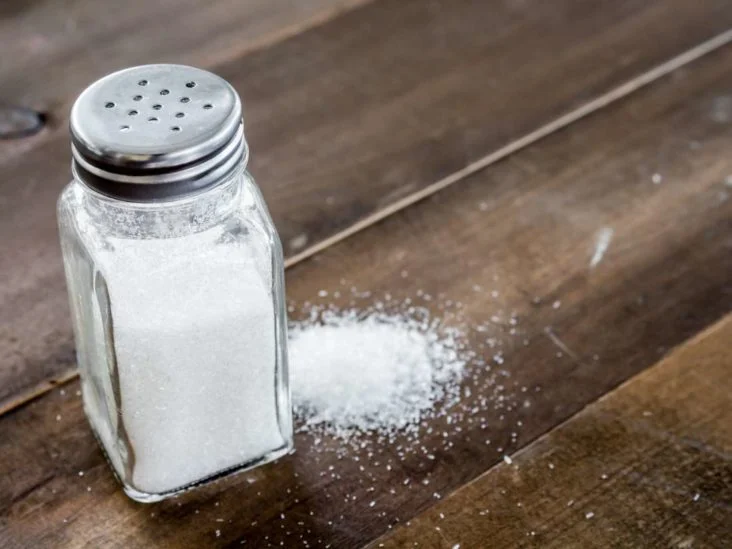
(570, 159)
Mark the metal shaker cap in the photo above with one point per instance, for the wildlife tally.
(157, 132)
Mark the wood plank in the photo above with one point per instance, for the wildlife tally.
(349, 118)
(648, 465)
(526, 228)
(53, 49)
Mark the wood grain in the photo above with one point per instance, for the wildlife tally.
(52, 49)
(648, 465)
(526, 229)
(347, 119)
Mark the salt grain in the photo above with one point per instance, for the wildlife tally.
(219, 339)
(354, 372)
(602, 241)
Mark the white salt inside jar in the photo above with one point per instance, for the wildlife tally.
(196, 368)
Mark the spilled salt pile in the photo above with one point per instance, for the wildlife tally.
(354, 372)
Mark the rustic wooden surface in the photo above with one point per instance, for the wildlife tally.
(352, 108)
(648, 465)
(53, 48)
(653, 168)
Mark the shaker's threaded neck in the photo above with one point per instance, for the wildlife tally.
(157, 132)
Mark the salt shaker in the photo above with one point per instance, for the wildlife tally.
(175, 277)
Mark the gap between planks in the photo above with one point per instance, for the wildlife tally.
(563, 121)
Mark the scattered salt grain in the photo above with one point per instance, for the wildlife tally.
(602, 242)
(696, 497)
(656, 178)
(353, 372)
(508, 460)
(399, 376)
(556, 304)
(299, 241)
(589, 515)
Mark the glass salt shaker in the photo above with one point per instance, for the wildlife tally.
(175, 277)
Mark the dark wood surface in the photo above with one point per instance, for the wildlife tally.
(646, 466)
(652, 167)
(353, 109)
(52, 49)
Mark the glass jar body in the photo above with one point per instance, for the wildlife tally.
(180, 327)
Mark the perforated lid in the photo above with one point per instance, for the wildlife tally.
(155, 132)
